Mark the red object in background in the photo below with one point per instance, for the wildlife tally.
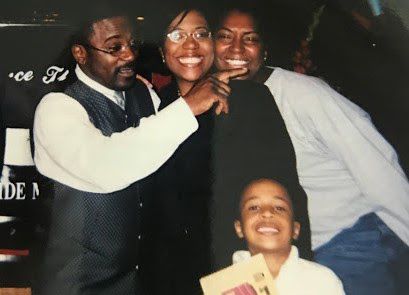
(159, 81)
(14, 252)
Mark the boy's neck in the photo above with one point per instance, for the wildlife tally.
(275, 261)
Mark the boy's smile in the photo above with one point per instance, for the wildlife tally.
(267, 229)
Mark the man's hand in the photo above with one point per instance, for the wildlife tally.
(212, 89)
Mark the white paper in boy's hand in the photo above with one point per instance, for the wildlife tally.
(249, 277)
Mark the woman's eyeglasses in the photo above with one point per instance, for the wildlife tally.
(178, 36)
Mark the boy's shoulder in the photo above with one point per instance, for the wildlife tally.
(317, 270)
(320, 276)
(300, 276)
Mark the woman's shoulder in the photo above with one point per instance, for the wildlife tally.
(303, 93)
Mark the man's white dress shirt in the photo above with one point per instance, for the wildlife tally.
(70, 150)
(345, 166)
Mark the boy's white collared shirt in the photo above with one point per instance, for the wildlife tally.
(298, 276)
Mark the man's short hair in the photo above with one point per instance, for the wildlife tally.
(86, 18)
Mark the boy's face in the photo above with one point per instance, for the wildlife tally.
(267, 222)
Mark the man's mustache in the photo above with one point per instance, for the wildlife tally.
(131, 65)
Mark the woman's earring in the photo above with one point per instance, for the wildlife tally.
(162, 55)
(265, 56)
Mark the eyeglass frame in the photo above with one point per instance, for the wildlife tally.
(209, 36)
(113, 52)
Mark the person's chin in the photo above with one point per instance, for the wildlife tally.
(269, 243)
(125, 84)
(192, 76)
(241, 78)
(272, 248)
(264, 248)
(245, 77)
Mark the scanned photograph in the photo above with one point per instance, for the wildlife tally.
(189, 147)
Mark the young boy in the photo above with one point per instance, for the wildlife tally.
(268, 227)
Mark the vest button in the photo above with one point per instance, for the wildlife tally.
(141, 204)
(139, 237)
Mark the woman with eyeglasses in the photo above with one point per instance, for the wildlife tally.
(351, 175)
(177, 227)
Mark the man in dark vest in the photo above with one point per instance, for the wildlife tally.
(96, 142)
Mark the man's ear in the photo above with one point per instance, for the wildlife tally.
(80, 54)
(296, 230)
(237, 227)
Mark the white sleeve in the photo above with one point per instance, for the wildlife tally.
(349, 134)
(70, 150)
(155, 99)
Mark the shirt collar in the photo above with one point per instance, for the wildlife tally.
(287, 271)
(110, 93)
(288, 265)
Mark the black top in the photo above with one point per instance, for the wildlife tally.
(249, 143)
(176, 221)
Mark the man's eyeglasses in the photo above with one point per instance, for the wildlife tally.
(178, 36)
(116, 49)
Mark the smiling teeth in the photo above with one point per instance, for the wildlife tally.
(126, 70)
(236, 62)
(190, 60)
(267, 230)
